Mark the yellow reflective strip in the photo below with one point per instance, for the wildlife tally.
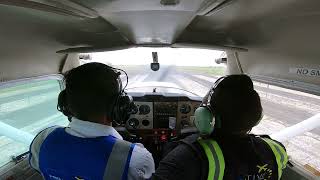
(282, 151)
(215, 158)
(278, 156)
(212, 167)
(219, 153)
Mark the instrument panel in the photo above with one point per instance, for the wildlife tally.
(143, 116)
(157, 112)
(159, 118)
(185, 114)
(163, 112)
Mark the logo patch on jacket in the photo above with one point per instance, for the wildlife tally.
(263, 173)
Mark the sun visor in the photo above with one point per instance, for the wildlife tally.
(293, 72)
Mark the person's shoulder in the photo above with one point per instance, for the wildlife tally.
(41, 137)
(267, 138)
(183, 162)
(43, 134)
(139, 151)
(141, 163)
(191, 139)
(186, 149)
(36, 145)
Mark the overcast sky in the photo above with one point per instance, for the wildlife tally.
(166, 56)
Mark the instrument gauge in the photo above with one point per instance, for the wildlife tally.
(144, 109)
(185, 109)
(146, 122)
(135, 110)
(134, 123)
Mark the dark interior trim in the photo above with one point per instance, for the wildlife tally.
(62, 7)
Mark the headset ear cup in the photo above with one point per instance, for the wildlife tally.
(115, 110)
(61, 100)
(123, 108)
(204, 120)
(62, 104)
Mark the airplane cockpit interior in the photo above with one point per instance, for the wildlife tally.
(172, 52)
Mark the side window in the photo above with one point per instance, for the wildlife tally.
(292, 117)
(25, 109)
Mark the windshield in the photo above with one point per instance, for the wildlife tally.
(192, 72)
(186, 71)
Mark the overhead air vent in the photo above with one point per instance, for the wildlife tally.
(209, 7)
(63, 7)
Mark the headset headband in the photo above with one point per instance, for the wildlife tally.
(124, 103)
(118, 73)
(211, 92)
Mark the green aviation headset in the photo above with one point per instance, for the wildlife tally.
(205, 116)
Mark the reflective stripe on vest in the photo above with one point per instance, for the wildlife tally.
(215, 159)
(280, 154)
(118, 161)
(64, 156)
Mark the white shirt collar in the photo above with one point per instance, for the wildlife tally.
(87, 129)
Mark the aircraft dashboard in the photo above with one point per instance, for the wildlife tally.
(162, 112)
(160, 118)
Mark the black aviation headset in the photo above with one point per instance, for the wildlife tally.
(123, 105)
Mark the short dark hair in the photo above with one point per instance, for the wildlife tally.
(236, 104)
(91, 90)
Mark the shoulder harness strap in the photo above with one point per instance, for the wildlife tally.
(192, 143)
(118, 162)
(280, 155)
(215, 158)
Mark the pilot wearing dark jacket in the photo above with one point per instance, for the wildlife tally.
(224, 149)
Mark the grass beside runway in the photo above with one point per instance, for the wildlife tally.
(211, 71)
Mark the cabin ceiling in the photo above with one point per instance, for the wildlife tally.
(276, 33)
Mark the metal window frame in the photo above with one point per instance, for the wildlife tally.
(11, 83)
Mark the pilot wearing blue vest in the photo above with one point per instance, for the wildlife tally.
(224, 148)
(90, 148)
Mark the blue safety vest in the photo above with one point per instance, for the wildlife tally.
(66, 157)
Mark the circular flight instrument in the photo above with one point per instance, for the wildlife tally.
(144, 109)
(145, 122)
(134, 122)
(135, 109)
(185, 109)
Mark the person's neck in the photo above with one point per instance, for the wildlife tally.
(104, 121)
(99, 120)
